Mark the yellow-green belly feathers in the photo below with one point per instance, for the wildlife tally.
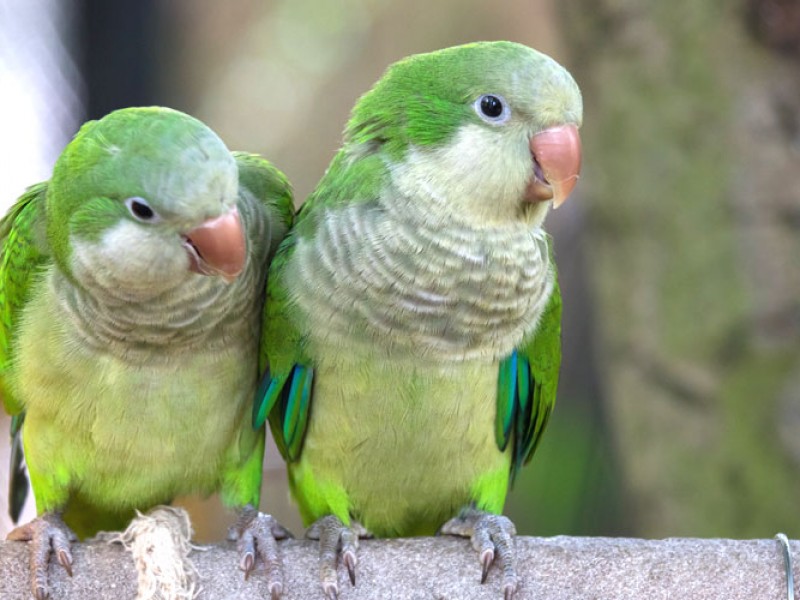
(401, 459)
(124, 431)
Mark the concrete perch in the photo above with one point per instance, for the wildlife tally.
(442, 568)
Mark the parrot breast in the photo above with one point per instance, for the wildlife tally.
(373, 278)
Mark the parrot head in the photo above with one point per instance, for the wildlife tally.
(143, 199)
(484, 133)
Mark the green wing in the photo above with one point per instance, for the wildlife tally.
(272, 188)
(286, 386)
(527, 384)
(24, 252)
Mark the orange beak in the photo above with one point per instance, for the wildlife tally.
(556, 164)
(217, 247)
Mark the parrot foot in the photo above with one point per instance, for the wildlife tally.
(336, 539)
(47, 534)
(491, 535)
(255, 534)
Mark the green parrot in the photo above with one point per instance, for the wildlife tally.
(411, 338)
(131, 293)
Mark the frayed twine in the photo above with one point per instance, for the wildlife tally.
(160, 544)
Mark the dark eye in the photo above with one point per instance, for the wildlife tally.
(492, 108)
(140, 209)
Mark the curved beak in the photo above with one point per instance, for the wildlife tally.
(217, 247)
(556, 164)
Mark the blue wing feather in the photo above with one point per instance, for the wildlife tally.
(506, 400)
(286, 401)
(296, 414)
(526, 387)
(266, 396)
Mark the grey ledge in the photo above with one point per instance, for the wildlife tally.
(443, 568)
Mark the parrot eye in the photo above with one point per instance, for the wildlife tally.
(492, 109)
(141, 210)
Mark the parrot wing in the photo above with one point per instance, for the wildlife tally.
(273, 190)
(24, 252)
(284, 394)
(527, 384)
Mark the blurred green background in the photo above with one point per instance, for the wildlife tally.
(679, 404)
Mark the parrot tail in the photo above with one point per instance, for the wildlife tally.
(18, 478)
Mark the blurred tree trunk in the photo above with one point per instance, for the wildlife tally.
(692, 165)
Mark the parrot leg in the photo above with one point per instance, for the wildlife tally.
(47, 535)
(255, 534)
(336, 539)
(491, 535)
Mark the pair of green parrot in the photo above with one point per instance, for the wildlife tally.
(159, 302)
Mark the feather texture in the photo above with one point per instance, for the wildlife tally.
(419, 289)
(135, 375)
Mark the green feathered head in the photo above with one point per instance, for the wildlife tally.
(424, 99)
(129, 190)
(489, 129)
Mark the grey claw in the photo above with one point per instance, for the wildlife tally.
(254, 533)
(247, 563)
(492, 537)
(48, 537)
(65, 560)
(275, 591)
(350, 563)
(486, 561)
(336, 541)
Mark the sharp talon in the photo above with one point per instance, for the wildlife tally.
(40, 594)
(275, 591)
(336, 540)
(247, 564)
(65, 561)
(508, 592)
(487, 558)
(350, 563)
(331, 592)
